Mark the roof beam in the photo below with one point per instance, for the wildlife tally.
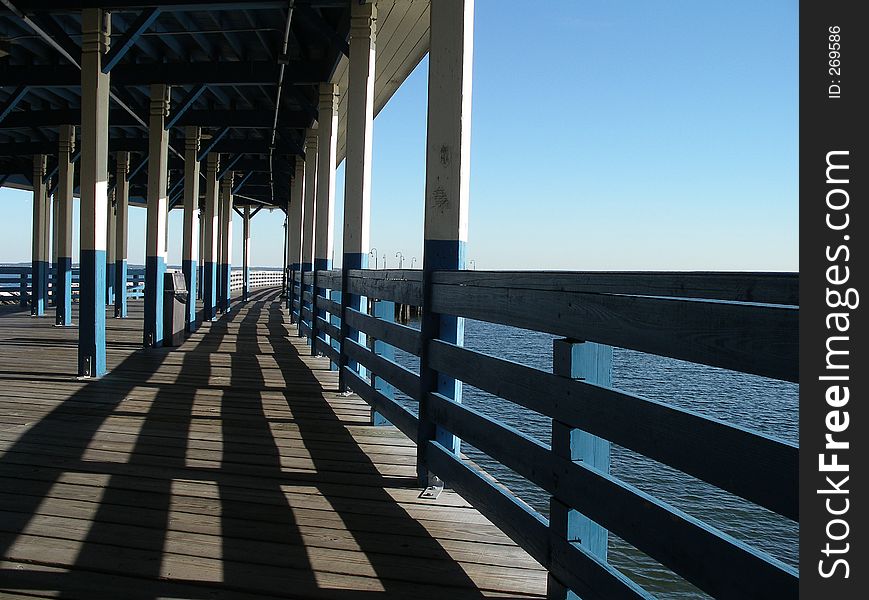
(186, 103)
(316, 22)
(238, 119)
(12, 101)
(140, 145)
(203, 152)
(136, 29)
(236, 73)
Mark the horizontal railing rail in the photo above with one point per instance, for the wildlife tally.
(16, 283)
(742, 322)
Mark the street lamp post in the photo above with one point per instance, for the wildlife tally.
(400, 258)
(412, 260)
(373, 253)
(473, 264)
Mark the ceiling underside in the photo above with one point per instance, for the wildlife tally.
(223, 62)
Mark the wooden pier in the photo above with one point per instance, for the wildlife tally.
(228, 467)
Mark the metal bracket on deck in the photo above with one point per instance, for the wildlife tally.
(434, 490)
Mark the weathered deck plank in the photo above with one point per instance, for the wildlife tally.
(227, 468)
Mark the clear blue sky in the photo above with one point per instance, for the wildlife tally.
(642, 134)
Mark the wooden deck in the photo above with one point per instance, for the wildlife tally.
(227, 468)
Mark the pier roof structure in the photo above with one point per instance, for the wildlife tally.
(245, 71)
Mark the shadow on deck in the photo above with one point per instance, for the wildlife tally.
(229, 467)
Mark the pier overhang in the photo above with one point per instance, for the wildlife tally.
(224, 61)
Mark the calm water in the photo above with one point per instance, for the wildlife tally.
(757, 403)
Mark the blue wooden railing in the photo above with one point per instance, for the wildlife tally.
(736, 321)
(16, 282)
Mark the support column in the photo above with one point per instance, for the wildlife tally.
(309, 224)
(201, 271)
(327, 149)
(295, 218)
(63, 225)
(39, 271)
(446, 198)
(158, 206)
(53, 208)
(245, 255)
(225, 293)
(592, 363)
(191, 239)
(357, 173)
(111, 227)
(96, 29)
(122, 201)
(209, 223)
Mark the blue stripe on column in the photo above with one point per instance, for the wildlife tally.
(355, 260)
(92, 313)
(189, 269)
(303, 268)
(52, 299)
(209, 291)
(321, 264)
(291, 290)
(45, 278)
(200, 280)
(152, 333)
(110, 282)
(225, 294)
(120, 289)
(63, 289)
(38, 273)
(441, 255)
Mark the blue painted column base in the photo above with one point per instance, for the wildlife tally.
(120, 289)
(384, 310)
(209, 291)
(110, 283)
(52, 289)
(438, 255)
(352, 260)
(320, 264)
(92, 314)
(63, 291)
(225, 294)
(190, 270)
(304, 268)
(38, 291)
(152, 334)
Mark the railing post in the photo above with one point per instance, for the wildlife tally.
(447, 181)
(590, 362)
(384, 310)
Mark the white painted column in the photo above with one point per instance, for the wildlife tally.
(309, 226)
(245, 254)
(357, 169)
(190, 238)
(225, 295)
(122, 201)
(295, 218)
(63, 225)
(40, 265)
(96, 30)
(210, 248)
(53, 208)
(158, 207)
(327, 150)
(448, 154)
